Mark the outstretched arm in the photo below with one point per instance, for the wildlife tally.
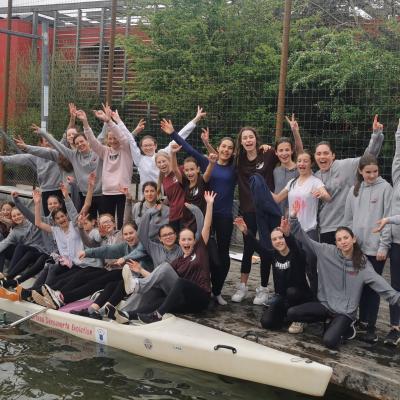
(212, 158)
(174, 162)
(294, 126)
(37, 198)
(205, 232)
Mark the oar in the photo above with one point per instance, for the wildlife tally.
(21, 320)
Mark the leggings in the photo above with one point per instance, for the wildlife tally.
(34, 269)
(22, 258)
(316, 312)
(220, 261)
(96, 206)
(113, 293)
(114, 204)
(369, 302)
(311, 266)
(248, 251)
(274, 316)
(185, 297)
(395, 282)
(6, 254)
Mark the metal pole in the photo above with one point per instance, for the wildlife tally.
(78, 38)
(283, 72)
(6, 85)
(111, 51)
(35, 21)
(125, 71)
(45, 76)
(101, 52)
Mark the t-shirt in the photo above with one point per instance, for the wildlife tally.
(195, 266)
(282, 176)
(309, 204)
(175, 195)
(264, 165)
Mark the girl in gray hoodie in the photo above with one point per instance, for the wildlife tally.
(343, 271)
(367, 201)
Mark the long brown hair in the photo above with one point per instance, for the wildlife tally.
(358, 258)
(366, 159)
(240, 151)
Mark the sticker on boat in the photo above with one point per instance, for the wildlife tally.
(147, 343)
(101, 335)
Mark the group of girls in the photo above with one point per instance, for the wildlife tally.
(169, 252)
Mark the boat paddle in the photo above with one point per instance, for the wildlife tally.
(21, 320)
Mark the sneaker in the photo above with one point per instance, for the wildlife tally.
(392, 338)
(129, 280)
(150, 317)
(54, 296)
(296, 327)
(370, 335)
(273, 300)
(121, 317)
(261, 296)
(41, 300)
(361, 326)
(351, 331)
(88, 314)
(109, 310)
(240, 293)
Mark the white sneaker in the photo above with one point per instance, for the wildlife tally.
(220, 300)
(129, 280)
(296, 327)
(261, 296)
(240, 293)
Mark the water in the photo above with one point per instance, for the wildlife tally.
(39, 363)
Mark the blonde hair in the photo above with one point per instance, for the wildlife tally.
(161, 153)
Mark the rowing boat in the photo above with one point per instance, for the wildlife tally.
(181, 342)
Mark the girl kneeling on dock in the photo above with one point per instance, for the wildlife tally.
(191, 292)
(343, 270)
(289, 274)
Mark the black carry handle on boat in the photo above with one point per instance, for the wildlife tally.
(224, 346)
(21, 320)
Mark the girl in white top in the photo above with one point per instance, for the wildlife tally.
(307, 190)
(144, 154)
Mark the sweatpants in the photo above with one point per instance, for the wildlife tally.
(154, 286)
(395, 282)
(273, 317)
(113, 293)
(369, 301)
(185, 297)
(220, 261)
(316, 312)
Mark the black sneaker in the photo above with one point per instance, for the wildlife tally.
(370, 335)
(85, 313)
(361, 326)
(121, 317)
(392, 338)
(110, 311)
(149, 318)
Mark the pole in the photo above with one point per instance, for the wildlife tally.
(44, 112)
(111, 51)
(6, 85)
(283, 71)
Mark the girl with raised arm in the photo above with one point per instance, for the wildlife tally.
(367, 201)
(338, 177)
(343, 270)
(222, 181)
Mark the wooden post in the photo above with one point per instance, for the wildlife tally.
(283, 71)
(111, 51)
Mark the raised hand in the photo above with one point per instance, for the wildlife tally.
(205, 134)
(92, 179)
(36, 196)
(285, 226)
(107, 111)
(294, 126)
(376, 126)
(209, 196)
(175, 147)
(81, 115)
(200, 114)
(213, 158)
(81, 219)
(125, 190)
(380, 225)
(240, 224)
(265, 147)
(115, 116)
(20, 143)
(72, 109)
(14, 194)
(140, 126)
(296, 207)
(166, 126)
(101, 115)
(36, 129)
(64, 189)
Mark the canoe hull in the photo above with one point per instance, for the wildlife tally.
(178, 341)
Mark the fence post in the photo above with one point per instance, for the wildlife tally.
(44, 112)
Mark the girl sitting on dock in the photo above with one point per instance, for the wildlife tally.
(343, 270)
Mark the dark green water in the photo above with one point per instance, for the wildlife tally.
(40, 363)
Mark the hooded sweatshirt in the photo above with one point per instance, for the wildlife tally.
(395, 206)
(339, 284)
(338, 180)
(361, 213)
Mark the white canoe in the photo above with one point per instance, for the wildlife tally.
(178, 341)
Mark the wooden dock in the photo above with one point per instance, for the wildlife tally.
(363, 369)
